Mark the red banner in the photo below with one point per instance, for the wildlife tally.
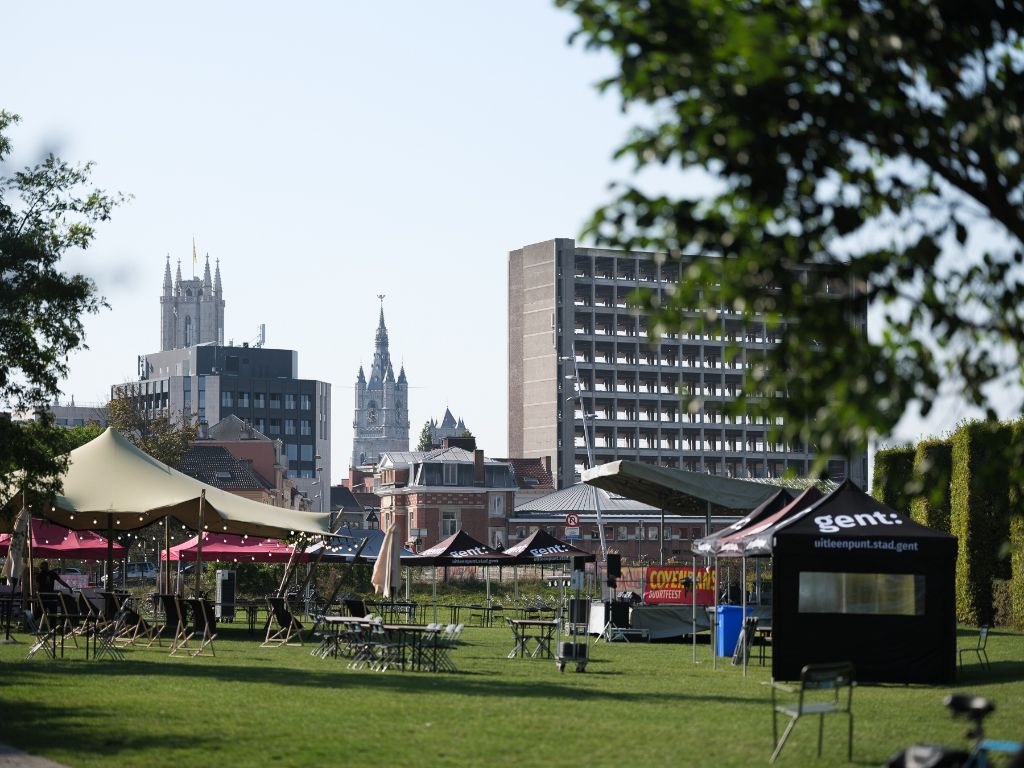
(674, 584)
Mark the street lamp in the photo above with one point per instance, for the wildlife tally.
(578, 395)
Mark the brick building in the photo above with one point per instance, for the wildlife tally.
(436, 493)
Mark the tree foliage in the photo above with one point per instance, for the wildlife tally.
(46, 211)
(872, 140)
(164, 436)
(425, 443)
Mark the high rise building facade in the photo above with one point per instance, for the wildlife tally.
(381, 421)
(567, 309)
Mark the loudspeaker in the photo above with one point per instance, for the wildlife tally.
(620, 614)
(612, 582)
(614, 564)
(579, 611)
(579, 564)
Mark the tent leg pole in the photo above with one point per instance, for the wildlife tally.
(110, 553)
(714, 621)
(693, 608)
(743, 593)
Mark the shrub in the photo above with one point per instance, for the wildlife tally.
(894, 472)
(979, 498)
(1016, 508)
(932, 467)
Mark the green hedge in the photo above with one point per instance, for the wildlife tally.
(892, 478)
(932, 469)
(1016, 504)
(979, 500)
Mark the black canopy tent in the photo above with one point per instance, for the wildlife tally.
(706, 547)
(458, 549)
(856, 581)
(542, 547)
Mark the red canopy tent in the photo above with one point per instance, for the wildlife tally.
(57, 542)
(232, 548)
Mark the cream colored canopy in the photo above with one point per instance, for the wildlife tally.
(111, 483)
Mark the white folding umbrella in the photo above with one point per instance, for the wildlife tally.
(387, 571)
(15, 562)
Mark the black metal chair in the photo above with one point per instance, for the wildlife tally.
(821, 686)
(979, 649)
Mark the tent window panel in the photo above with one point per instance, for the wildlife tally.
(889, 594)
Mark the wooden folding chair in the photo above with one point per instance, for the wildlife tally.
(204, 624)
(288, 626)
(174, 611)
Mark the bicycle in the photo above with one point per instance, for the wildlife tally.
(980, 755)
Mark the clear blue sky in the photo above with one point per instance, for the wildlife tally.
(324, 152)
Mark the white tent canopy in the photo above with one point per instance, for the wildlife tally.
(111, 483)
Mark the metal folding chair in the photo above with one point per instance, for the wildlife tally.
(819, 694)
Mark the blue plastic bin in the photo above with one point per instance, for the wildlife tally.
(730, 622)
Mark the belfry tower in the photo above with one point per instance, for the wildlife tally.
(191, 311)
(381, 420)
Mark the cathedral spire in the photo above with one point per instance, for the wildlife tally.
(167, 276)
(177, 278)
(216, 280)
(207, 281)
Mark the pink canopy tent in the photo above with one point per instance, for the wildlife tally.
(231, 548)
(56, 542)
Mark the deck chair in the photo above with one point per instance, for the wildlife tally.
(355, 607)
(174, 620)
(204, 625)
(44, 634)
(73, 621)
(134, 626)
(820, 693)
(105, 637)
(288, 626)
(978, 649)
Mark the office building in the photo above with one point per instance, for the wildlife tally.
(567, 308)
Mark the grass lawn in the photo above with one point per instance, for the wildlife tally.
(637, 704)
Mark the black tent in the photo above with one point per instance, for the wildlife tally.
(856, 581)
(540, 547)
(708, 546)
(458, 549)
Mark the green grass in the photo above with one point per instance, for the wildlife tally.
(637, 704)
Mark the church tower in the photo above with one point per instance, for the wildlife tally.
(382, 405)
(191, 311)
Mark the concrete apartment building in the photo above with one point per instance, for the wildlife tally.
(567, 306)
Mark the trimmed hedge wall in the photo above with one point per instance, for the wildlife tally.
(979, 502)
(933, 462)
(1016, 505)
(894, 471)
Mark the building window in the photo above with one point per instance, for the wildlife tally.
(451, 475)
(260, 425)
(275, 426)
(497, 508)
(289, 426)
(449, 524)
(623, 533)
(202, 400)
(259, 400)
(305, 403)
(227, 399)
(275, 400)
(306, 452)
(305, 427)
(652, 534)
(289, 402)
(291, 450)
(243, 399)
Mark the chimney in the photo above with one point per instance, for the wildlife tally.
(478, 467)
